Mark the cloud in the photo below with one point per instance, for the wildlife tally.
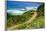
(22, 9)
(31, 8)
(17, 12)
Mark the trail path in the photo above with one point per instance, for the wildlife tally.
(32, 18)
(29, 21)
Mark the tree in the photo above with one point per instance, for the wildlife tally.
(40, 10)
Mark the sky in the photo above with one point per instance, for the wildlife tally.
(16, 7)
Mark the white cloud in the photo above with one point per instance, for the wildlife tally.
(22, 9)
(17, 12)
(31, 8)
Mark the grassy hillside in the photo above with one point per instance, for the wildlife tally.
(38, 22)
(18, 19)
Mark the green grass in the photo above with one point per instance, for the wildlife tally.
(37, 23)
(14, 20)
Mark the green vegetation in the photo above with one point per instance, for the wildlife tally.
(40, 10)
(18, 19)
(38, 22)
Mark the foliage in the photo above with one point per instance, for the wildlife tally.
(40, 10)
(18, 19)
(38, 23)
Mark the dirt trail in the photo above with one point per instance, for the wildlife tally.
(32, 18)
(29, 21)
